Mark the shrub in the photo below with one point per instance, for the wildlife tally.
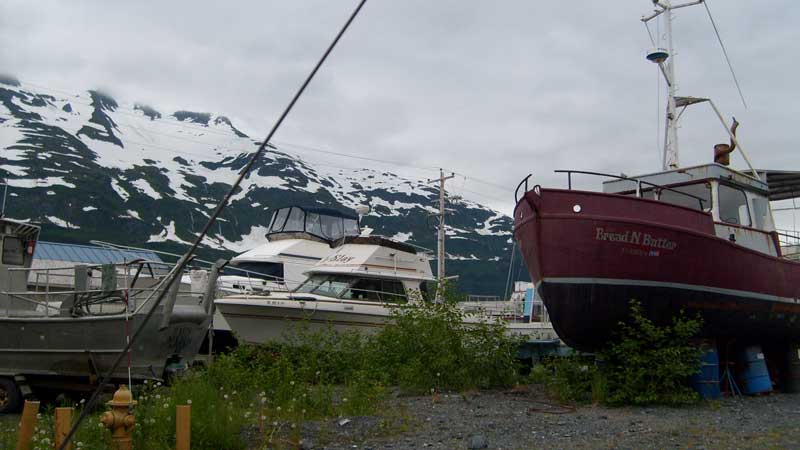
(646, 363)
(643, 364)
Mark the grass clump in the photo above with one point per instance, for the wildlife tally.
(264, 393)
(643, 364)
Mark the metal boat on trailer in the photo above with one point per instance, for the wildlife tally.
(66, 339)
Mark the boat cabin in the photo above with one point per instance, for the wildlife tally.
(18, 241)
(371, 268)
(738, 202)
(298, 238)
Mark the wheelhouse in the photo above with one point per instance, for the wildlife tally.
(738, 203)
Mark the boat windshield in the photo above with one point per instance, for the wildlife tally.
(355, 288)
(688, 195)
(326, 224)
(330, 286)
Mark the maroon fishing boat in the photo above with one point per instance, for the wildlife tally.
(700, 239)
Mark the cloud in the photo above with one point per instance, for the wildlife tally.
(495, 90)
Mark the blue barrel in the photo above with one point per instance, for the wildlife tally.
(706, 382)
(755, 376)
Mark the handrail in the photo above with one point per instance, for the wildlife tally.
(516, 191)
(638, 182)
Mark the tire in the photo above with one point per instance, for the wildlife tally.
(10, 397)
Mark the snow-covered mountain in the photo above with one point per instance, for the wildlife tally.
(88, 168)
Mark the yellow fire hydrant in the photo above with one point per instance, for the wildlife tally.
(120, 420)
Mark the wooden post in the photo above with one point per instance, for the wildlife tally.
(27, 425)
(183, 427)
(63, 424)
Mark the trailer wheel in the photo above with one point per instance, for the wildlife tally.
(10, 397)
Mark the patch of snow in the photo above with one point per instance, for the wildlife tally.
(146, 189)
(254, 238)
(40, 182)
(401, 237)
(61, 223)
(487, 226)
(119, 190)
(134, 214)
(89, 208)
(13, 170)
(168, 235)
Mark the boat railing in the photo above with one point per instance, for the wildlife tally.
(639, 183)
(251, 281)
(790, 243)
(118, 287)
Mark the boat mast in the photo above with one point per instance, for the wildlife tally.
(666, 61)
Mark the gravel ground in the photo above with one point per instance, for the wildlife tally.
(526, 419)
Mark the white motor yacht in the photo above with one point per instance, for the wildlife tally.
(355, 287)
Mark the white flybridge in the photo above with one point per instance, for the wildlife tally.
(297, 239)
(355, 287)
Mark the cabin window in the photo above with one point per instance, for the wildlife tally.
(13, 251)
(280, 220)
(328, 286)
(377, 290)
(733, 206)
(314, 224)
(296, 220)
(260, 270)
(760, 212)
(331, 227)
(350, 227)
(689, 195)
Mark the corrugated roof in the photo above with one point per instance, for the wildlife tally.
(89, 254)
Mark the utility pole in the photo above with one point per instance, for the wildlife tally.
(440, 252)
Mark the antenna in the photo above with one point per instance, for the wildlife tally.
(666, 62)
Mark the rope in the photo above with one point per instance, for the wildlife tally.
(725, 52)
(176, 271)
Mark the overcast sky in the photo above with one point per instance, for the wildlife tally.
(491, 89)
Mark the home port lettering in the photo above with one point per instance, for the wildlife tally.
(635, 237)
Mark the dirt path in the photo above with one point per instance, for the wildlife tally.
(528, 420)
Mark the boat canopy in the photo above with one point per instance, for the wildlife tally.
(782, 184)
(325, 223)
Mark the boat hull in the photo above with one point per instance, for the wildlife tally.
(257, 321)
(86, 347)
(590, 254)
